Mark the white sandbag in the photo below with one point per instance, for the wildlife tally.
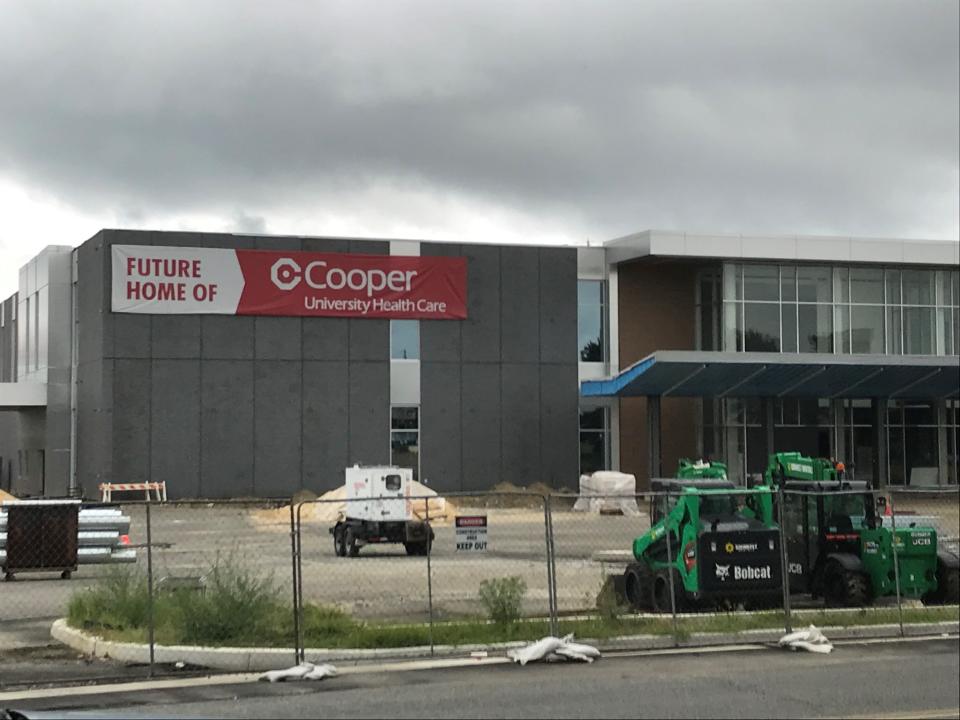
(303, 671)
(607, 490)
(552, 649)
(811, 640)
(537, 651)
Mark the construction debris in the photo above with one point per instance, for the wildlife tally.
(6, 497)
(552, 649)
(811, 640)
(303, 671)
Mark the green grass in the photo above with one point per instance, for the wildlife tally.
(242, 609)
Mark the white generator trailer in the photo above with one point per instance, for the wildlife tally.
(378, 509)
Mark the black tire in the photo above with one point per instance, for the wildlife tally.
(637, 587)
(951, 586)
(948, 587)
(844, 588)
(8, 577)
(660, 593)
(413, 548)
(350, 540)
(339, 544)
(65, 575)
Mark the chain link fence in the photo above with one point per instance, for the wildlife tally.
(319, 580)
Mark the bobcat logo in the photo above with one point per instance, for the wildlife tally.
(723, 572)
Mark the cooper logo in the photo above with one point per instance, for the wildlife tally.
(286, 274)
(723, 571)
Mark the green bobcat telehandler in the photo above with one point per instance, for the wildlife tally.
(839, 549)
(718, 556)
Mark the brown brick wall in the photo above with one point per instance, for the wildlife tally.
(657, 304)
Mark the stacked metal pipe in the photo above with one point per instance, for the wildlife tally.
(102, 536)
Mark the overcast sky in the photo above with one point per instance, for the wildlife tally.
(500, 121)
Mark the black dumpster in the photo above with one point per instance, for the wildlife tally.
(41, 537)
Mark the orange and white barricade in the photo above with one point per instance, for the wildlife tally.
(159, 489)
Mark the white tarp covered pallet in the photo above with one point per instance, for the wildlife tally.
(606, 490)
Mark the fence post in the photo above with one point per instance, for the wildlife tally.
(299, 590)
(784, 561)
(551, 567)
(896, 561)
(426, 518)
(673, 596)
(294, 555)
(150, 614)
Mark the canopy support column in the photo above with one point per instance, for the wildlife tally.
(880, 454)
(654, 469)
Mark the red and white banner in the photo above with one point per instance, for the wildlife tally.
(174, 280)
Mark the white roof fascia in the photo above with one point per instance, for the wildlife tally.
(796, 248)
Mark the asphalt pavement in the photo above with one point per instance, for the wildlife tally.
(880, 680)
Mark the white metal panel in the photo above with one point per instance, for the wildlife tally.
(22, 394)
(773, 247)
(404, 382)
(892, 251)
(405, 247)
(591, 263)
(823, 249)
(591, 370)
(724, 246)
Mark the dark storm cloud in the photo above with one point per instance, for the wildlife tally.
(812, 117)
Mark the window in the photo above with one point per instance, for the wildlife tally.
(404, 339)
(405, 438)
(590, 320)
(391, 482)
(594, 439)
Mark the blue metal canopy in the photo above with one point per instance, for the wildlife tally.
(742, 374)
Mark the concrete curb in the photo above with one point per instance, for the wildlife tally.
(261, 659)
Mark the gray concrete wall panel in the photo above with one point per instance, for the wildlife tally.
(369, 340)
(559, 426)
(227, 337)
(520, 424)
(277, 338)
(440, 340)
(132, 420)
(325, 430)
(480, 332)
(480, 425)
(440, 436)
(226, 429)
(558, 305)
(94, 424)
(132, 336)
(175, 337)
(369, 413)
(520, 304)
(175, 426)
(90, 303)
(325, 338)
(277, 424)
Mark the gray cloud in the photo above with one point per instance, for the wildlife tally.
(606, 117)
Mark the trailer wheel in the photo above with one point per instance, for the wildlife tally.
(339, 544)
(844, 588)
(350, 540)
(8, 577)
(65, 575)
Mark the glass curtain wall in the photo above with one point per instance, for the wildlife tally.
(594, 439)
(591, 330)
(836, 309)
